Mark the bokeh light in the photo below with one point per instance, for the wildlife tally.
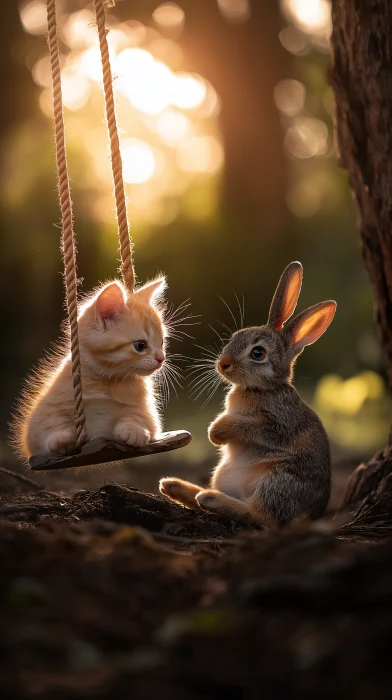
(139, 163)
(306, 137)
(169, 15)
(146, 82)
(201, 154)
(235, 10)
(79, 31)
(294, 41)
(167, 116)
(348, 396)
(33, 17)
(187, 91)
(355, 411)
(173, 126)
(289, 97)
(304, 198)
(311, 16)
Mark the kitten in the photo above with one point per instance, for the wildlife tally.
(121, 338)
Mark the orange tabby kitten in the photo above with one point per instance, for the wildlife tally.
(121, 339)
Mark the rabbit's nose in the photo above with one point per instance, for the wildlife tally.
(225, 364)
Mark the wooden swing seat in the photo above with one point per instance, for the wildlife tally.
(101, 450)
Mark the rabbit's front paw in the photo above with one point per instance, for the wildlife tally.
(61, 442)
(221, 431)
(209, 500)
(131, 434)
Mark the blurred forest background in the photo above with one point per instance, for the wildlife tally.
(226, 120)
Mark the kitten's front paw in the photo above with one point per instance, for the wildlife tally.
(180, 491)
(170, 487)
(175, 489)
(61, 442)
(131, 434)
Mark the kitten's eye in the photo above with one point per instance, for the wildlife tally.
(258, 353)
(140, 345)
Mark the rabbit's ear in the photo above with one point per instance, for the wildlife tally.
(308, 326)
(286, 296)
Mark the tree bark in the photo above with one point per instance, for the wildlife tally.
(361, 76)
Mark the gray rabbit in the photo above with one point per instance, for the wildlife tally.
(275, 460)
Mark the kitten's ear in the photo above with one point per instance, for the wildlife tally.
(308, 326)
(286, 296)
(110, 303)
(152, 290)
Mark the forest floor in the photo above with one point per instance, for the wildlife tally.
(114, 593)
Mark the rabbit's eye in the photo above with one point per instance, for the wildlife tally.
(258, 353)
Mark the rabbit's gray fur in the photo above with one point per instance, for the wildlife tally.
(275, 459)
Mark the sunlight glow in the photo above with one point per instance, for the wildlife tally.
(151, 86)
(139, 162)
(45, 102)
(33, 17)
(173, 126)
(188, 91)
(210, 106)
(169, 15)
(41, 72)
(235, 10)
(294, 41)
(167, 51)
(166, 115)
(90, 63)
(307, 137)
(289, 97)
(348, 396)
(304, 198)
(312, 16)
(201, 154)
(145, 81)
(354, 411)
(79, 30)
(75, 88)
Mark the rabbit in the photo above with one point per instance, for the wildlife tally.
(275, 459)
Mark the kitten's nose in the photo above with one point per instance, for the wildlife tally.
(225, 363)
(159, 356)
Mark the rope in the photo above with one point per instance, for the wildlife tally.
(127, 270)
(67, 234)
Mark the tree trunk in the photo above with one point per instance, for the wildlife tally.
(361, 76)
(362, 79)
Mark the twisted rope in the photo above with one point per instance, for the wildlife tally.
(127, 270)
(67, 234)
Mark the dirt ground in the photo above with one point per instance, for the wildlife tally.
(112, 593)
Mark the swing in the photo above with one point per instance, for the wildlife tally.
(99, 449)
